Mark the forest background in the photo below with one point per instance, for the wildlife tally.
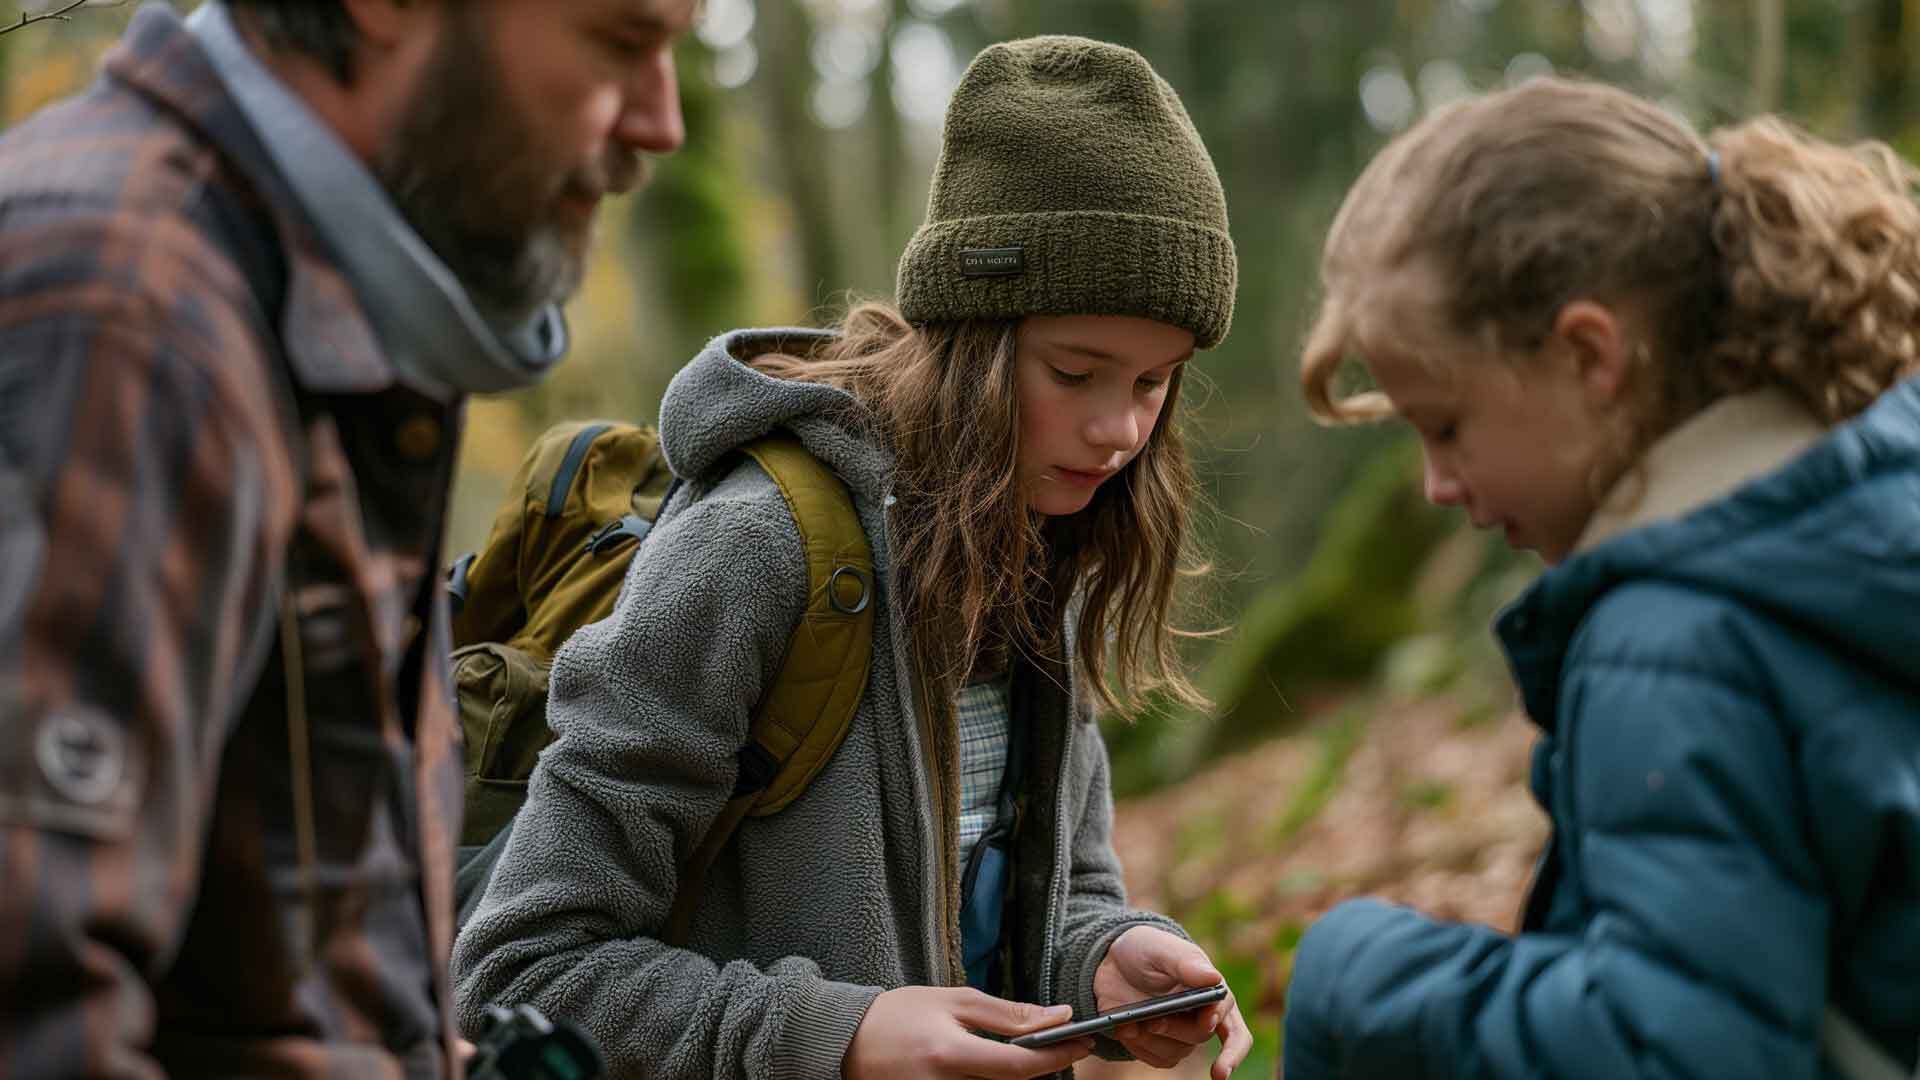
(1363, 737)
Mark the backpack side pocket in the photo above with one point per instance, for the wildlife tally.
(502, 695)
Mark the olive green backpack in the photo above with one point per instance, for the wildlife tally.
(576, 513)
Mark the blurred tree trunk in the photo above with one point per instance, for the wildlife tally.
(1769, 54)
(690, 216)
(785, 35)
(891, 158)
(1885, 76)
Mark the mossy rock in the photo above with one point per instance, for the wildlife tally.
(1354, 602)
(1331, 626)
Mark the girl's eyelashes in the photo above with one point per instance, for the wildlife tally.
(1147, 383)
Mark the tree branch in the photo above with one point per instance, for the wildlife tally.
(29, 20)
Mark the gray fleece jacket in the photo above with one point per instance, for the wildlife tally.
(810, 913)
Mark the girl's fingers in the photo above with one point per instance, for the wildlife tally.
(1191, 1028)
(1236, 1042)
(999, 1061)
(983, 1012)
(1156, 1050)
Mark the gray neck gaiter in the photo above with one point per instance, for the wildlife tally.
(436, 339)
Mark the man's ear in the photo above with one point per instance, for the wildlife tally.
(1595, 340)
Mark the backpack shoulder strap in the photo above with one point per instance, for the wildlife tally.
(805, 714)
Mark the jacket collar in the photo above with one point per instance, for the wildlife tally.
(435, 338)
(330, 345)
(334, 343)
(1722, 453)
(1731, 442)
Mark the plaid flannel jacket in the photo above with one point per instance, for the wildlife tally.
(225, 850)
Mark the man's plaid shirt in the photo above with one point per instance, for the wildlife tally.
(195, 421)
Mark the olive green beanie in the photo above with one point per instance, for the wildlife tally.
(1071, 182)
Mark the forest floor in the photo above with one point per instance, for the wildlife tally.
(1422, 802)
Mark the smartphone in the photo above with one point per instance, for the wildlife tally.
(1180, 1001)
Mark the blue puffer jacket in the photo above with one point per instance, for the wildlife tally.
(1731, 705)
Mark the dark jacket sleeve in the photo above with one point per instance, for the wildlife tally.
(1703, 948)
(142, 507)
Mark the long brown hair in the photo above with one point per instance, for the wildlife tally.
(1764, 256)
(978, 575)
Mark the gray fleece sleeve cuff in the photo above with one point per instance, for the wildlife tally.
(1076, 973)
(818, 1027)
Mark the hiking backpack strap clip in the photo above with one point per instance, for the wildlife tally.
(457, 585)
(614, 533)
(810, 705)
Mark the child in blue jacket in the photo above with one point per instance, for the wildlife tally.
(1679, 369)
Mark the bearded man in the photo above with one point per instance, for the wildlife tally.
(246, 280)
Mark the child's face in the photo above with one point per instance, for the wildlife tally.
(1512, 443)
(1091, 388)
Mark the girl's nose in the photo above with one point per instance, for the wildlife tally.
(1118, 431)
(1442, 488)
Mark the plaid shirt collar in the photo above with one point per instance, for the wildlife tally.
(330, 340)
(438, 341)
(330, 344)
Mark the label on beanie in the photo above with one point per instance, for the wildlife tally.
(993, 262)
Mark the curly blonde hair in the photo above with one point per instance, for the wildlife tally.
(1762, 256)
(978, 573)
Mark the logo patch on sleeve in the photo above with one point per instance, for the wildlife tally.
(993, 262)
(82, 755)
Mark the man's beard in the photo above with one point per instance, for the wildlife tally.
(469, 172)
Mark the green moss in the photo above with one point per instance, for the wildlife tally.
(1474, 716)
(1215, 916)
(1287, 938)
(1331, 626)
(1337, 742)
(1426, 795)
(1334, 623)
(1202, 836)
(1300, 883)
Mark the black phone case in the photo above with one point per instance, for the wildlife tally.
(1147, 1009)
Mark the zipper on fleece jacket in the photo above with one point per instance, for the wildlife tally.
(940, 784)
(1056, 888)
(936, 867)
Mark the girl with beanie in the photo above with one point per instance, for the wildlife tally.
(1682, 370)
(1007, 435)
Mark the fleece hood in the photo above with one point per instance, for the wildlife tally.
(719, 403)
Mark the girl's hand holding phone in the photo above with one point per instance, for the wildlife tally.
(1147, 962)
(928, 1031)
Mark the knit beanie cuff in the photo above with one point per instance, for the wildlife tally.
(1071, 263)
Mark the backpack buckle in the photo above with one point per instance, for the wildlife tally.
(613, 532)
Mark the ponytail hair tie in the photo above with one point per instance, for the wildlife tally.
(1713, 168)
